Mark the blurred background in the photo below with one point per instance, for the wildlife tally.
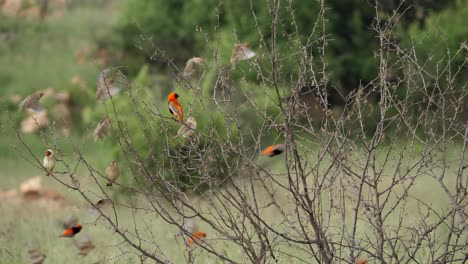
(61, 46)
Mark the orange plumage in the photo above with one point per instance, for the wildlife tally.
(273, 150)
(174, 106)
(196, 236)
(72, 231)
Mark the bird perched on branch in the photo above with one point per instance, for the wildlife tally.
(101, 129)
(187, 130)
(49, 162)
(32, 102)
(106, 85)
(112, 172)
(174, 106)
(99, 204)
(273, 150)
(191, 65)
(241, 52)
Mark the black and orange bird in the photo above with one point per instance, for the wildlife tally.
(273, 150)
(174, 106)
(195, 235)
(72, 231)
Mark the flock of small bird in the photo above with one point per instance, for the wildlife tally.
(106, 88)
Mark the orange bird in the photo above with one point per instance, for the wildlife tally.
(72, 231)
(197, 235)
(174, 107)
(273, 150)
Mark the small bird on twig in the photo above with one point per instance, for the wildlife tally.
(101, 129)
(241, 52)
(32, 102)
(174, 106)
(49, 161)
(112, 172)
(99, 204)
(106, 85)
(273, 150)
(191, 65)
(187, 130)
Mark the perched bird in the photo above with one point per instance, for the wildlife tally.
(241, 52)
(112, 172)
(49, 161)
(36, 256)
(191, 65)
(102, 129)
(273, 150)
(106, 85)
(174, 106)
(84, 246)
(72, 231)
(195, 235)
(32, 102)
(188, 129)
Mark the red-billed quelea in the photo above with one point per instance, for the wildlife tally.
(187, 130)
(112, 173)
(101, 129)
(32, 102)
(191, 66)
(241, 52)
(49, 162)
(106, 85)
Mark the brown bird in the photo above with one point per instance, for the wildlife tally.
(191, 65)
(49, 162)
(102, 129)
(112, 172)
(36, 256)
(99, 204)
(32, 102)
(188, 129)
(241, 52)
(273, 150)
(106, 85)
(84, 246)
(174, 106)
(72, 231)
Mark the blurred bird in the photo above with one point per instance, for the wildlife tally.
(32, 102)
(49, 161)
(191, 65)
(174, 106)
(36, 256)
(99, 204)
(71, 221)
(72, 231)
(101, 129)
(84, 246)
(273, 150)
(187, 130)
(361, 261)
(241, 52)
(112, 172)
(195, 235)
(106, 85)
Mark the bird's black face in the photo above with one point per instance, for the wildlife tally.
(48, 153)
(176, 96)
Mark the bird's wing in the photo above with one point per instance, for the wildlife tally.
(246, 53)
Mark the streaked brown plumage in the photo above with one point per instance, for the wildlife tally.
(191, 65)
(106, 85)
(102, 129)
(32, 102)
(112, 172)
(241, 52)
(188, 129)
(36, 257)
(99, 204)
